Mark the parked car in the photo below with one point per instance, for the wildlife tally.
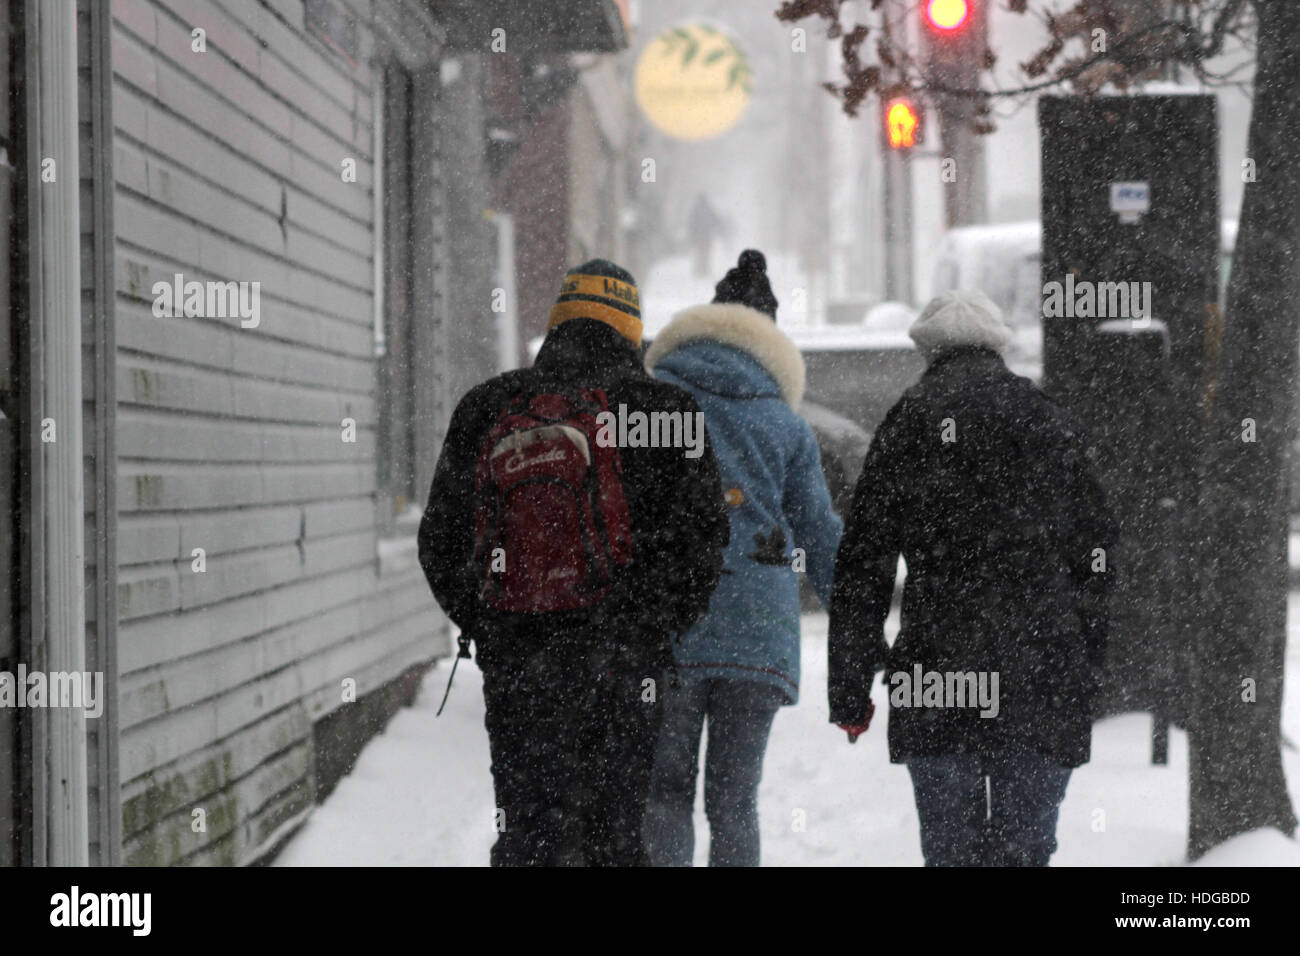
(843, 444)
(859, 370)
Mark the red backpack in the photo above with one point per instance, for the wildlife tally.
(552, 523)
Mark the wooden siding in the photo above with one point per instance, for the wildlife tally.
(97, 190)
(228, 168)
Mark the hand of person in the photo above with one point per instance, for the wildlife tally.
(857, 730)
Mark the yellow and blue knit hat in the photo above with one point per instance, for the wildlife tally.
(602, 291)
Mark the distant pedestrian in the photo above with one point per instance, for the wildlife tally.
(572, 551)
(740, 662)
(986, 489)
(703, 226)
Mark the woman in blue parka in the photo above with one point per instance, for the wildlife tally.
(740, 662)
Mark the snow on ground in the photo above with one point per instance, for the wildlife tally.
(421, 793)
(1257, 848)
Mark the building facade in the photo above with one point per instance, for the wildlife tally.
(242, 302)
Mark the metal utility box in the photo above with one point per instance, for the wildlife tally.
(1130, 273)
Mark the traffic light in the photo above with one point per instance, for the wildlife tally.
(947, 14)
(954, 38)
(902, 119)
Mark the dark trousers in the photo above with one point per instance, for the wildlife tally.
(740, 714)
(572, 740)
(987, 811)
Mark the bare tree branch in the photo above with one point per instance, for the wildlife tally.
(1129, 58)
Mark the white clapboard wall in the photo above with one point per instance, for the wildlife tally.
(228, 167)
(98, 365)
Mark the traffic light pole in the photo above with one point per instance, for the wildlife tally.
(898, 185)
(898, 226)
(954, 49)
(965, 198)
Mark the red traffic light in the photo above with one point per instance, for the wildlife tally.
(947, 14)
(902, 124)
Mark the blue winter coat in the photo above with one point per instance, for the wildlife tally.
(748, 377)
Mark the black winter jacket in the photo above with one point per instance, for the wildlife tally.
(999, 527)
(678, 518)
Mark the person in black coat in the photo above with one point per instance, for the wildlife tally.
(572, 694)
(986, 489)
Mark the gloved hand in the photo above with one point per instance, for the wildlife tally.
(857, 730)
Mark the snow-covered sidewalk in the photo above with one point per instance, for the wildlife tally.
(421, 793)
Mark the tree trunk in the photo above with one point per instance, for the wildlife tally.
(1237, 783)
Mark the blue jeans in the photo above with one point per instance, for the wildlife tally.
(987, 811)
(740, 714)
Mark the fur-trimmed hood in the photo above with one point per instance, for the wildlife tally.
(747, 378)
(742, 328)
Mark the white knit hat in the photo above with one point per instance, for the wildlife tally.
(957, 318)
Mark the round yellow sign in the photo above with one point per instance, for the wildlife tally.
(693, 82)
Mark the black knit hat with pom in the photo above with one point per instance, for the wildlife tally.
(747, 284)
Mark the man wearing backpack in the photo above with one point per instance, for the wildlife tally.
(572, 553)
